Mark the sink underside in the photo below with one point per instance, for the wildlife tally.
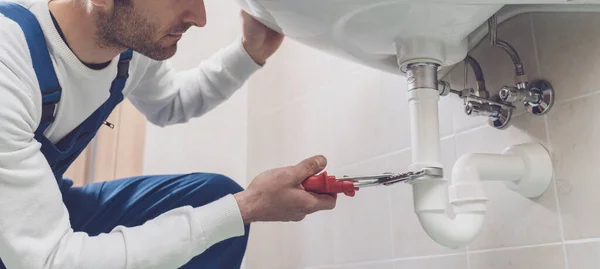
(384, 34)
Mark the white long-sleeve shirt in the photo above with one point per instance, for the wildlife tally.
(35, 231)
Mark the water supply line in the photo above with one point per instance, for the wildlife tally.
(510, 50)
(538, 98)
(479, 77)
(478, 102)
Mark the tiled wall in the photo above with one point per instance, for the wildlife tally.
(305, 102)
(215, 142)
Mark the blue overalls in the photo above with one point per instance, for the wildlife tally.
(100, 207)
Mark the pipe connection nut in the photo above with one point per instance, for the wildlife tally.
(443, 87)
(422, 75)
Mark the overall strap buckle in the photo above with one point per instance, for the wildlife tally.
(123, 66)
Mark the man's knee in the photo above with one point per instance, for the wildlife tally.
(222, 184)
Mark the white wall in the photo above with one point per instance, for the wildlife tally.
(216, 142)
(306, 103)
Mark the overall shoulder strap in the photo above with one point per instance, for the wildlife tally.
(40, 56)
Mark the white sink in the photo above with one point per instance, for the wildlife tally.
(387, 33)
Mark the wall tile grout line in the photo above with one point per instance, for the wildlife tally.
(476, 128)
(468, 253)
(388, 154)
(557, 201)
(393, 260)
(583, 241)
(536, 53)
(556, 198)
(551, 148)
(576, 98)
(570, 242)
(382, 156)
(468, 259)
(456, 133)
(516, 248)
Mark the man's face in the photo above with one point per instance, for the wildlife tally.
(150, 27)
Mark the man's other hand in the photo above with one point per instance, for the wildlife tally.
(259, 40)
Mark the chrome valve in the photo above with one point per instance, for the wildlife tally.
(537, 97)
(514, 94)
(482, 109)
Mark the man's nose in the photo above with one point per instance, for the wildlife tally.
(196, 13)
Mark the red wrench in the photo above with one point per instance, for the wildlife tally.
(326, 184)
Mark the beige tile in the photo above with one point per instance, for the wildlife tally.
(266, 88)
(231, 112)
(573, 128)
(306, 128)
(271, 246)
(293, 249)
(409, 238)
(357, 125)
(445, 116)
(296, 249)
(362, 224)
(394, 104)
(309, 69)
(313, 240)
(217, 150)
(583, 256)
(511, 219)
(569, 51)
(265, 144)
(449, 262)
(528, 258)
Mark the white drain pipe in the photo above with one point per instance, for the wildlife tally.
(525, 168)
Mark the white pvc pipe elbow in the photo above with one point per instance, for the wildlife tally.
(452, 233)
(432, 196)
(465, 195)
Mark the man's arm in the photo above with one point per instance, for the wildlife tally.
(168, 97)
(35, 230)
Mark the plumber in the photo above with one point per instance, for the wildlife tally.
(64, 66)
